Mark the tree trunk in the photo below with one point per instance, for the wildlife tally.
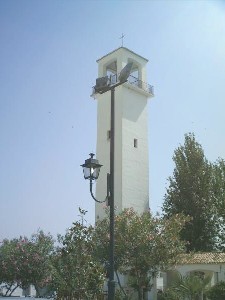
(140, 293)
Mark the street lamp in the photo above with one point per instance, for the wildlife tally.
(91, 170)
(91, 167)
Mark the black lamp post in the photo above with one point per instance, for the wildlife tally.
(91, 167)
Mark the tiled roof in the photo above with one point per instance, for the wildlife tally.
(202, 258)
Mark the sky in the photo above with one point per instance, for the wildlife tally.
(48, 53)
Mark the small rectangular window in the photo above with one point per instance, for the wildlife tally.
(135, 143)
(108, 135)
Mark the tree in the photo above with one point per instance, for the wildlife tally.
(25, 261)
(38, 267)
(143, 246)
(76, 274)
(219, 199)
(8, 268)
(191, 287)
(190, 192)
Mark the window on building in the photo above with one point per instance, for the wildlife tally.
(135, 143)
(108, 135)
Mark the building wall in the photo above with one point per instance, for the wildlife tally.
(135, 164)
(102, 151)
(215, 271)
(131, 178)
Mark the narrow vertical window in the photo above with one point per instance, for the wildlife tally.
(135, 143)
(108, 135)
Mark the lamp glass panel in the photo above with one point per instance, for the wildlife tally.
(86, 172)
(92, 173)
(95, 173)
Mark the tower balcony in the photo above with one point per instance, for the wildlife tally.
(141, 85)
(131, 81)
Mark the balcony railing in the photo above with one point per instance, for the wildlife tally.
(112, 79)
(134, 81)
(141, 84)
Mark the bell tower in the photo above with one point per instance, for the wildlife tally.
(131, 168)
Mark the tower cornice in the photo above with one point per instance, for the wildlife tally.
(120, 49)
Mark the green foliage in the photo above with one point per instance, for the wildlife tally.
(8, 270)
(76, 274)
(191, 191)
(217, 292)
(77, 268)
(70, 269)
(219, 197)
(169, 294)
(190, 287)
(143, 246)
(25, 261)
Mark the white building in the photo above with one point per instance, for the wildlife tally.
(131, 180)
(209, 264)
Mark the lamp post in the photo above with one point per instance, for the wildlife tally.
(91, 167)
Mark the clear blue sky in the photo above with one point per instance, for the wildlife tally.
(48, 52)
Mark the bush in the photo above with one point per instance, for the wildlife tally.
(169, 294)
(217, 292)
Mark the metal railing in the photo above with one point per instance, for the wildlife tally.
(141, 84)
(133, 81)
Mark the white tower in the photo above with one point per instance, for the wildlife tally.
(131, 169)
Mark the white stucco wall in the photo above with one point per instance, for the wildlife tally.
(215, 271)
(135, 164)
(218, 269)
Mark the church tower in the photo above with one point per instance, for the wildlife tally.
(131, 169)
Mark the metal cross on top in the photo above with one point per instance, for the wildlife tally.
(122, 36)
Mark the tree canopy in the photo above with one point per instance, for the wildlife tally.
(76, 274)
(25, 261)
(143, 245)
(77, 267)
(197, 189)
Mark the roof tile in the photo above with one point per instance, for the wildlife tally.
(202, 258)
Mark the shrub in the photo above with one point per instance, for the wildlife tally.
(217, 292)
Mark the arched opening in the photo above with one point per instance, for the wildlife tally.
(135, 77)
(111, 72)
